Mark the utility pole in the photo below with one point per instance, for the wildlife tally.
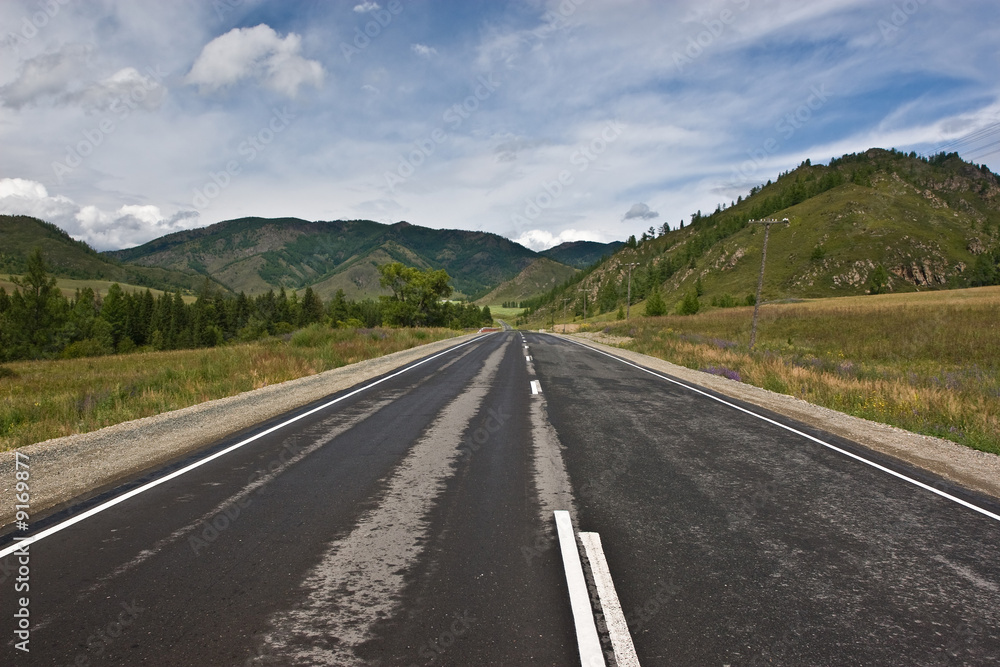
(767, 222)
(566, 299)
(628, 301)
(584, 290)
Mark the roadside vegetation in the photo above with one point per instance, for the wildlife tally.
(38, 321)
(926, 362)
(47, 399)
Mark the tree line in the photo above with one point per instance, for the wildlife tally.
(38, 322)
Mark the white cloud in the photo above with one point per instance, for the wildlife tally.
(423, 50)
(126, 85)
(19, 187)
(258, 53)
(127, 226)
(640, 211)
(366, 7)
(540, 239)
(46, 76)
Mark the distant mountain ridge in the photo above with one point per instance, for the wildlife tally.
(581, 254)
(256, 254)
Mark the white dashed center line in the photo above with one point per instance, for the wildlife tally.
(583, 616)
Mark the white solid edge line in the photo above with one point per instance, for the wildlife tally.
(926, 487)
(21, 544)
(536, 387)
(614, 617)
(591, 654)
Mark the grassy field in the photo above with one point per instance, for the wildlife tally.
(47, 399)
(502, 313)
(927, 362)
(69, 286)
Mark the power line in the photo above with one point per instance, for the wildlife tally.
(968, 143)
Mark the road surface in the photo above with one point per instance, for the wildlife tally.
(410, 523)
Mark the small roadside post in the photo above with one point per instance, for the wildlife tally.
(767, 222)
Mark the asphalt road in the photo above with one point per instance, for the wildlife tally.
(410, 524)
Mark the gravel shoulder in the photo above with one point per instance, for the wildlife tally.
(72, 467)
(975, 470)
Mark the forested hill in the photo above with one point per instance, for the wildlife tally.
(69, 258)
(875, 221)
(254, 255)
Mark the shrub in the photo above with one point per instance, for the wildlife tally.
(689, 305)
(89, 347)
(655, 305)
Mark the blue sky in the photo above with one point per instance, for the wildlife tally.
(543, 121)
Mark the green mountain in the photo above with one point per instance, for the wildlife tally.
(257, 254)
(68, 258)
(537, 278)
(876, 221)
(581, 254)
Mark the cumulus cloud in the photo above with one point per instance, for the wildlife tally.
(19, 187)
(124, 227)
(366, 7)
(540, 239)
(423, 50)
(640, 211)
(258, 53)
(48, 76)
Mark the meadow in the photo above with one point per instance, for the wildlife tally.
(48, 399)
(69, 286)
(928, 362)
(504, 313)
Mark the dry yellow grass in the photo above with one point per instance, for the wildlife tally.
(47, 399)
(926, 362)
